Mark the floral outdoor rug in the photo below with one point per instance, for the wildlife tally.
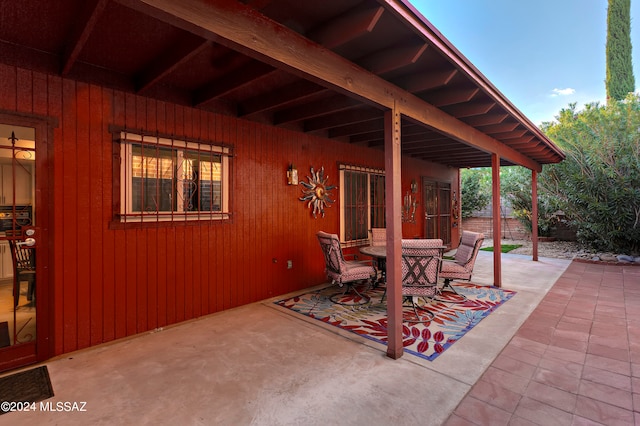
(425, 340)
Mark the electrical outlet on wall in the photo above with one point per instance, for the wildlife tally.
(289, 264)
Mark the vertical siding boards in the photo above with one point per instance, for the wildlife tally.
(227, 130)
(139, 270)
(39, 94)
(83, 215)
(8, 87)
(268, 214)
(131, 239)
(69, 224)
(253, 189)
(170, 234)
(110, 283)
(96, 229)
(118, 259)
(161, 240)
(54, 109)
(24, 92)
(202, 299)
(151, 299)
(188, 249)
(108, 238)
(178, 249)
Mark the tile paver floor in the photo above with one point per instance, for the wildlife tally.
(574, 361)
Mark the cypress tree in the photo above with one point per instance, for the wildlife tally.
(620, 80)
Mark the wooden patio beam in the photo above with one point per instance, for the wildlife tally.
(171, 60)
(497, 224)
(246, 30)
(393, 190)
(321, 107)
(285, 95)
(470, 110)
(232, 81)
(485, 119)
(523, 141)
(84, 25)
(499, 128)
(373, 136)
(423, 82)
(444, 96)
(534, 214)
(393, 58)
(356, 129)
(349, 26)
(511, 135)
(332, 119)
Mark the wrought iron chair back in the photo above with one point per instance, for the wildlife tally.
(464, 260)
(344, 272)
(378, 236)
(421, 261)
(334, 258)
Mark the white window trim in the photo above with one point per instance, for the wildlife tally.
(128, 215)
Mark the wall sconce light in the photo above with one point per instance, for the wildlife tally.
(414, 187)
(409, 205)
(292, 175)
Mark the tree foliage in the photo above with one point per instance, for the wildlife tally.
(619, 79)
(598, 185)
(515, 186)
(475, 190)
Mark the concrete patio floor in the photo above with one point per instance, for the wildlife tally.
(256, 365)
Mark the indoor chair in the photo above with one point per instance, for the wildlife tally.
(24, 269)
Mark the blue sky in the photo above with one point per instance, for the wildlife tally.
(542, 54)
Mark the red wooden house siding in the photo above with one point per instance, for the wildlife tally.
(111, 283)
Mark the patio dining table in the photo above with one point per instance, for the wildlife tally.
(379, 256)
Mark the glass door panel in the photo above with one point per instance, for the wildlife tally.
(17, 258)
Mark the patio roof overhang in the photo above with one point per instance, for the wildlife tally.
(330, 68)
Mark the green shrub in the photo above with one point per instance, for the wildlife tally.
(515, 183)
(598, 185)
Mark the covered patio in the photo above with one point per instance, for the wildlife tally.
(254, 87)
(548, 351)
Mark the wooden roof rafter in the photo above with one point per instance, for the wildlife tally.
(276, 62)
(245, 30)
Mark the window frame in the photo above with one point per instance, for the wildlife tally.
(369, 171)
(183, 148)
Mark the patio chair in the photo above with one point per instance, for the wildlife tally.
(345, 273)
(378, 236)
(379, 239)
(461, 267)
(421, 261)
(24, 269)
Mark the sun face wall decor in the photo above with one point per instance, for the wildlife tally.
(317, 192)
